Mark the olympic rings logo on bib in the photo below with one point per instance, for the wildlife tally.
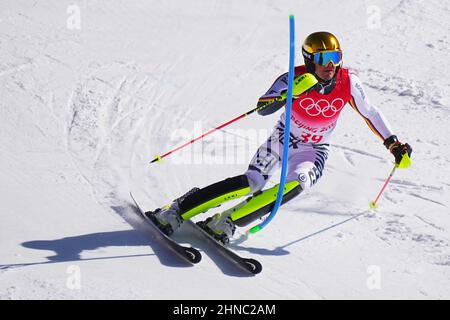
(322, 107)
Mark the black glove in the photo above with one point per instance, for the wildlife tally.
(397, 148)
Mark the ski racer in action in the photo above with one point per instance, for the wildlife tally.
(314, 117)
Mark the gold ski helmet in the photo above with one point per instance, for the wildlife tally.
(321, 48)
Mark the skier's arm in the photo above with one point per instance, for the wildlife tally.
(273, 99)
(373, 117)
(375, 120)
(270, 106)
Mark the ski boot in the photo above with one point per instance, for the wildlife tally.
(221, 228)
(168, 218)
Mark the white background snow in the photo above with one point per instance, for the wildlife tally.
(83, 111)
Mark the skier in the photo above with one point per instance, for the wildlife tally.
(314, 117)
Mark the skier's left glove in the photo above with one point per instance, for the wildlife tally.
(302, 83)
(399, 150)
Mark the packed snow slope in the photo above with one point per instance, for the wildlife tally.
(86, 104)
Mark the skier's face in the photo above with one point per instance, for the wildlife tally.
(325, 72)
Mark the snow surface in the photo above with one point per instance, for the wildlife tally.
(83, 111)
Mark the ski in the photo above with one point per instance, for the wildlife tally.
(189, 254)
(250, 265)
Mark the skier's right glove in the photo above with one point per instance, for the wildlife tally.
(398, 150)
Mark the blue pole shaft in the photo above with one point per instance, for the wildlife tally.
(287, 130)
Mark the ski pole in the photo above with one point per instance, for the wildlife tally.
(404, 163)
(373, 204)
(159, 157)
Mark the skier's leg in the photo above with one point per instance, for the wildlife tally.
(222, 225)
(170, 217)
(261, 168)
(213, 195)
(306, 165)
(262, 202)
(265, 162)
(197, 200)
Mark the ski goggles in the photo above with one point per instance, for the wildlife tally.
(323, 58)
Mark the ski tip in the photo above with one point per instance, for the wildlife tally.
(253, 266)
(193, 255)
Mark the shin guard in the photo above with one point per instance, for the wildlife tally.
(261, 203)
(214, 195)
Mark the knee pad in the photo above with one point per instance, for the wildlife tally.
(306, 176)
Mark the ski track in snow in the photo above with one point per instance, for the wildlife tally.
(106, 111)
